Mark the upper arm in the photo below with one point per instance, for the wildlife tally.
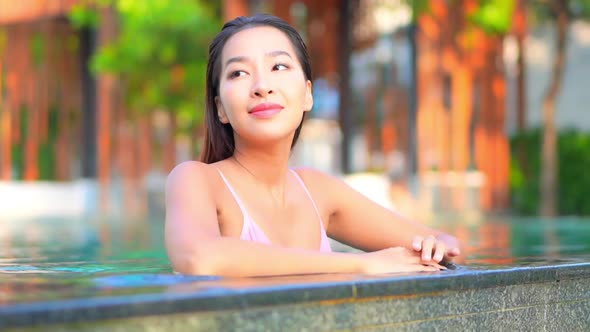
(191, 213)
(360, 222)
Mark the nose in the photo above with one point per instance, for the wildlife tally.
(261, 86)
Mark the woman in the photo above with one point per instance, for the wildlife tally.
(242, 212)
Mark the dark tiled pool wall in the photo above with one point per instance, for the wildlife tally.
(532, 305)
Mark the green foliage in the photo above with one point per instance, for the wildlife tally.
(581, 9)
(524, 177)
(419, 7)
(541, 11)
(47, 151)
(573, 173)
(160, 54)
(38, 49)
(18, 150)
(3, 38)
(573, 177)
(83, 17)
(494, 16)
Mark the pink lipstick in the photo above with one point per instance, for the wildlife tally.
(265, 110)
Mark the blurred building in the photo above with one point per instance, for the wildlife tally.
(41, 90)
(422, 101)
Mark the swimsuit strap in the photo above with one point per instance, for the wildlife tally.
(235, 195)
(317, 211)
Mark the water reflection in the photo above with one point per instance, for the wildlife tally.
(44, 259)
(497, 241)
(523, 241)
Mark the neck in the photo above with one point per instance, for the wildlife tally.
(267, 167)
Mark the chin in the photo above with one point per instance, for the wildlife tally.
(270, 136)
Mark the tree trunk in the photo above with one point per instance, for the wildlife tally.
(548, 207)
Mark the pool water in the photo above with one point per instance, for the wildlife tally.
(56, 258)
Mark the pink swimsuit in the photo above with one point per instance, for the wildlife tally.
(252, 232)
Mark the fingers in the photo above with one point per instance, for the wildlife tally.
(451, 254)
(398, 259)
(453, 245)
(415, 261)
(427, 245)
(454, 252)
(417, 243)
(433, 249)
(439, 252)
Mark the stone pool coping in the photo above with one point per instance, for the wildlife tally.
(210, 295)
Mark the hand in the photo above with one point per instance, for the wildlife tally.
(393, 260)
(443, 247)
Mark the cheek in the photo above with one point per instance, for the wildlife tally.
(230, 95)
(292, 86)
(297, 94)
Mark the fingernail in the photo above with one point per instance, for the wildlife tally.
(438, 258)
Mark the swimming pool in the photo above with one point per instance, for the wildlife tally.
(108, 273)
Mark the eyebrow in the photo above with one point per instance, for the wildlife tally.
(272, 54)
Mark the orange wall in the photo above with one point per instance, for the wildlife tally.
(19, 11)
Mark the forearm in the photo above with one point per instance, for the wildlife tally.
(237, 258)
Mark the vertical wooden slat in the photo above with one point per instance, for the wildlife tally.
(74, 102)
(5, 130)
(144, 147)
(43, 84)
(31, 139)
(169, 152)
(427, 62)
(105, 99)
(61, 104)
(461, 117)
(483, 136)
(520, 31)
(501, 145)
(17, 39)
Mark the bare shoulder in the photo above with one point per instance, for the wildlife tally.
(314, 177)
(187, 170)
(190, 177)
(336, 192)
(325, 186)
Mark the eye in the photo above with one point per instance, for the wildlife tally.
(280, 66)
(237, 73)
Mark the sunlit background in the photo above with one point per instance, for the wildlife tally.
(453, 113)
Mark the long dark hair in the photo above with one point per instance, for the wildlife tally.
(219, 138)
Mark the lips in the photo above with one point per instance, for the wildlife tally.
(266, 109)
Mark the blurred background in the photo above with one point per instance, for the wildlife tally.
(466, 108)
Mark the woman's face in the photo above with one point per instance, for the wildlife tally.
(263, 91)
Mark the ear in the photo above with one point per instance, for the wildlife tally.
(308, 102)
(221, 111)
